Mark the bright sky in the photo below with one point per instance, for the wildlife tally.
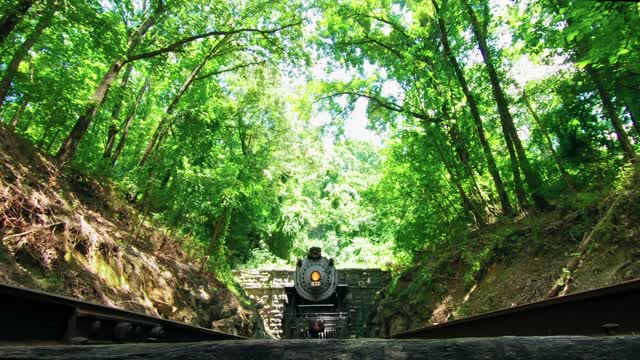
(355, 126)
(522, 71)
(356, 122)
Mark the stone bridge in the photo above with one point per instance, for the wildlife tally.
(266, 287)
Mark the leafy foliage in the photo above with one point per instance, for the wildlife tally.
(205, 114)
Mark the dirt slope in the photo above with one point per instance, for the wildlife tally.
(590, 240)
(70, 235)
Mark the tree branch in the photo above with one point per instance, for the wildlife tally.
(395, 26)
(385, 46)
(233, 68)
(32, 230)
(178, 44)
(370, 40)
(384, 104)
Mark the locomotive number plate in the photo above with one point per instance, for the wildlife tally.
(315, 283)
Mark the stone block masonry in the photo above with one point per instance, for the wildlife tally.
(266, 288)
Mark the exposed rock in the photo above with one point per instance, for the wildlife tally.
(75, 236)
(164, 309)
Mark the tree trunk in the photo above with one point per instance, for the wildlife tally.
(565, 175)
(23, 50)
(507, 209)
(634, 121)
(129, 120)
(15, 119)
(218, 228)
(452, 170)
(152, 142)
(581, 49)
(521, 195)
(53, 139)
(165, 180)
(115, 113)
(609, 107)
(70, 143)
(438, 201)
(45, 133)
(13, 17)
(463, 156)
(531, 177)
(455, 136)
(178, 216)
(79, 130)
(634, 113)
(627, 91)
(164, 123)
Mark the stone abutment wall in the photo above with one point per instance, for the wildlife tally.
(266, 287)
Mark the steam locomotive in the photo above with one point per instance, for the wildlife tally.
(317, 306)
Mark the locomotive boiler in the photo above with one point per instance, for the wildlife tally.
(317, 306)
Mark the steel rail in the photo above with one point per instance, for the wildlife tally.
(608, 310)
(35, 317)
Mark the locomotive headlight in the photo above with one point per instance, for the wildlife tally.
(315, 276)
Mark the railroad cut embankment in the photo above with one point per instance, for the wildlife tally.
(69, 234)
(591, 239)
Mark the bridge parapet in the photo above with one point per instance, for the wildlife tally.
(266, 287)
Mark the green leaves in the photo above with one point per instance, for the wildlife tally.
(572, 35)
(247, 137)
(583, 63)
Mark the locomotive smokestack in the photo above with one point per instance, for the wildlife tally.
(314, 253)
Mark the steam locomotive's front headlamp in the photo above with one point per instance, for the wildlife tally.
(315, 276)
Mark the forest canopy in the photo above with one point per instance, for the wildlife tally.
(375, 129)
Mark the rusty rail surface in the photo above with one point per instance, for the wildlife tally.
(609, 310)
(35, 317)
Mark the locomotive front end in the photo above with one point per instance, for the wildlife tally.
(316, 278)
(317, 306)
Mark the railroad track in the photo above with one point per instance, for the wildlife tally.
(35, 317)
(31, 317)
(609, 310)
